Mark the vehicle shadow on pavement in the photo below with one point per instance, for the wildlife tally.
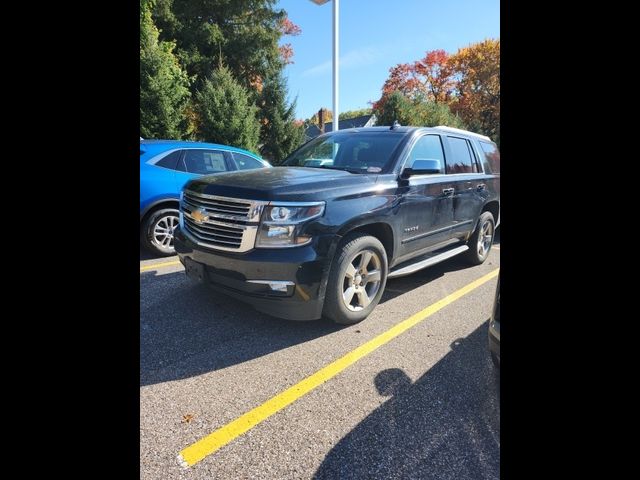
(187, 329)
(446, 425)
(147, 255)
(401, 285)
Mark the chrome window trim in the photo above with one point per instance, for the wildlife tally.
(160, 156)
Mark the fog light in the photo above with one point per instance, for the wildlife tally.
(274, 285)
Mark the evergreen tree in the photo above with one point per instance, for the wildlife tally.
(418, 112)
(280, 134)
(243, 32)
(227, 116)
(164, 86)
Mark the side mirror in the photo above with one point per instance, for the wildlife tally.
(423, 166)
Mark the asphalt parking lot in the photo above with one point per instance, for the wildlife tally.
(423, 405)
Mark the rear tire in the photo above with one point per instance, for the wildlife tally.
(357, 279)
(481, 240)
(156, 232)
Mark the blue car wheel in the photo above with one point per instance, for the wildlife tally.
(157, 231)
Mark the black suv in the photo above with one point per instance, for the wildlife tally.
(348, 210)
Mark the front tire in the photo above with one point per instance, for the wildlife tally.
(357, 279)
(157, 231)
(481, 240)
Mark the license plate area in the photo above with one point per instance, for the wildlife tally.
(194, 270)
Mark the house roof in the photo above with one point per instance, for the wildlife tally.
(313, 130)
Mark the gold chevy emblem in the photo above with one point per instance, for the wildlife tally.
(199, 215)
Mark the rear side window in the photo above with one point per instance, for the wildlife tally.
(463, 160)
(204, 162)
(245, 162)
(491, 156)
(428, 147)
(170, 161)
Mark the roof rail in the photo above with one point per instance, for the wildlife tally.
(466, 132)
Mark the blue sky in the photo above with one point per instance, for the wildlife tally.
(374, 36)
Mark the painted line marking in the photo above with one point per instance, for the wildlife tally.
(158, 265)
(495, 248)
(208, 445)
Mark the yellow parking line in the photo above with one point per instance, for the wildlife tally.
(158, 265)
(219, 438)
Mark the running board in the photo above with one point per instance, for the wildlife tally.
(414, 267)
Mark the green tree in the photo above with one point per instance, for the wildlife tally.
(418, 112)
(396, 107)
(280, 134)
(355, 113)
(432, 114)
(164, 86)
(243, 32)
(227, 115)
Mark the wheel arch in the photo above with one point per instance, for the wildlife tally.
(380, 230)
(158, 205)
(493, 207)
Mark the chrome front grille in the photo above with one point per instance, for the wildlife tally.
(221, 223)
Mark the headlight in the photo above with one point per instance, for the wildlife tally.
(282, 223)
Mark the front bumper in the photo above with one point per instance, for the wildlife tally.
(298, 275)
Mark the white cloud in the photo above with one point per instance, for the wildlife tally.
(355, 58)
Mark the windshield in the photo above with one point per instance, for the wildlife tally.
(353, 152)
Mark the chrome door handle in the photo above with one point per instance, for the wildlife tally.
(448, 191)
(480, 187)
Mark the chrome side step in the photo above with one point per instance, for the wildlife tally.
(414, 267)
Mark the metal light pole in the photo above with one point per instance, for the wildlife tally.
(336, 61)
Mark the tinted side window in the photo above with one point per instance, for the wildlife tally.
(491, 157)
(428, 147)
(245, 162)
(463, 160)
(170, 161)
(204, 161)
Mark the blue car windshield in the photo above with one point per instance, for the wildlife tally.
(353, 152)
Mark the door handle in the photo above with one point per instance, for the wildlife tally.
(448, 191)
(480, 187)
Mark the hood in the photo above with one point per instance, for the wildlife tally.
(281, 183)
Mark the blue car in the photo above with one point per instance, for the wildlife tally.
(165, 166)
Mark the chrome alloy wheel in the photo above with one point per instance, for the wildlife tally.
(361, 280)
(163, 231)
(485, 238)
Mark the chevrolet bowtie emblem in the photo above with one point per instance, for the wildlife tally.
(199, 215)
